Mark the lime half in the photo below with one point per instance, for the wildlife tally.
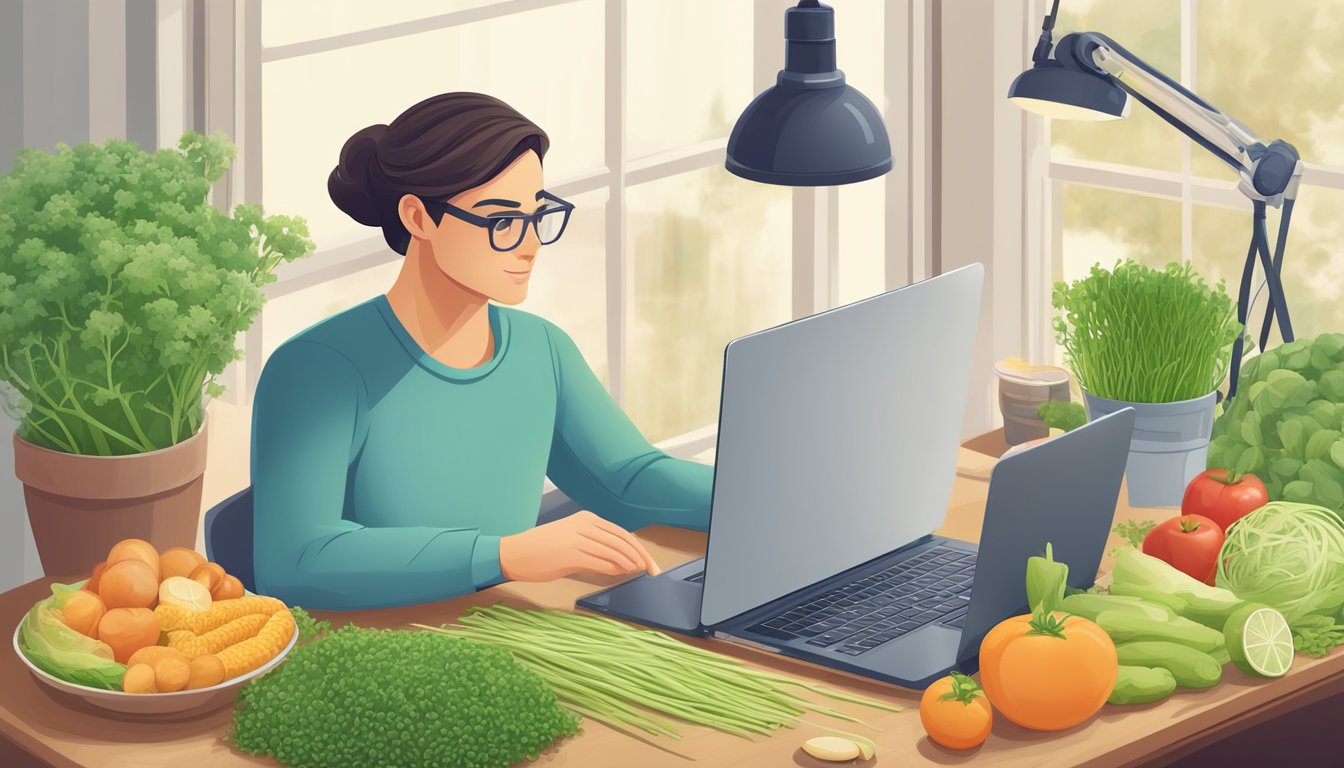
(1259, 641)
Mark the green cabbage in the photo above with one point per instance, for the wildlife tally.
(1286, 424)
(61, 651)
(1288, 556)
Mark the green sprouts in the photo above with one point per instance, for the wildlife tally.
(1145, 335)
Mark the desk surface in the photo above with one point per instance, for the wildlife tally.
(65, 735)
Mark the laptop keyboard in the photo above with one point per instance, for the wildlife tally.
(934, 586)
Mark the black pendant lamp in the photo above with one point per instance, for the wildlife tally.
(810, 129)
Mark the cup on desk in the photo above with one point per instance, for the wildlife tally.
(1022, 389)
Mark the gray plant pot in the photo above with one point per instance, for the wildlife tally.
(1170, 446)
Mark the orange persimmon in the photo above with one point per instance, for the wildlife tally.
(210, 575)
(135, 549)
(955, 712)
(1047, 673)
(179, 561)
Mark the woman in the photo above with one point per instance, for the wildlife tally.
(399, 447)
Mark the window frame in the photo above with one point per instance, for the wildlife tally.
(815, 253)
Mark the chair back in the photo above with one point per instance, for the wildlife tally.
(228, 536)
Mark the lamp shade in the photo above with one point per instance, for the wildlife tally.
(1054, 91)
(810, 128)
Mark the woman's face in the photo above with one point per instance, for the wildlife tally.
(462, 250)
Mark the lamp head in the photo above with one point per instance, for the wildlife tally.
(810, 128)
(1070, 86)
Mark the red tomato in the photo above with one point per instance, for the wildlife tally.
(1189, 543)
(1223, 496)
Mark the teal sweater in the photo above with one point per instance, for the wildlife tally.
(383, 477)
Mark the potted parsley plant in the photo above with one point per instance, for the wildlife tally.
(122, 292)
(1159, 341)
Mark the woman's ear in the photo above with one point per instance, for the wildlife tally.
(415, 218)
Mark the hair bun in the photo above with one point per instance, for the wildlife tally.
(358, 185)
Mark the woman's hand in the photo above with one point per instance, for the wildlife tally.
(579, 543)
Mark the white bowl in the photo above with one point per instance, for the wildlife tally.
(154, 703)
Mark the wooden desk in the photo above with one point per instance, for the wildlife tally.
(37, 725)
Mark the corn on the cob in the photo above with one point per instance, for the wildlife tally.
(174, 617)
(241, 658)
(192, 645)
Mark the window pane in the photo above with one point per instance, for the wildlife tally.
(1150, 29)
(312, 104)
(1102, 227)
(1276, 68)
(863, 255)
(679, 92)
(284, 316)
(1313, 263)
(294, 21)
(712, 261)
(569, 283)
(859, 52)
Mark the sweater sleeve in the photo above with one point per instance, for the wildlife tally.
(308, 412)
(600, 459)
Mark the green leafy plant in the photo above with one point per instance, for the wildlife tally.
(1058, 414)
(1132, 532)
(1286, 423)
(1145, 335)
(123, 289)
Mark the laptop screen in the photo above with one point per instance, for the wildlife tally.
(838, 437)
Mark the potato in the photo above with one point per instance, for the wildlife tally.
(138, 679)
(206, 670)
(229, 589)
(82, 613)
(171, 675)
(179, 561)
(179, 590)
(135, 549)
(211, 575)
(127, 630)
(129, 584)
(151, 654)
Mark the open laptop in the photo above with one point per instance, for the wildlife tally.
(837, 448)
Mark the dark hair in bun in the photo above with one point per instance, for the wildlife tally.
(438, 148)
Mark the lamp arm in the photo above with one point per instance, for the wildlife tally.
(1174, 103)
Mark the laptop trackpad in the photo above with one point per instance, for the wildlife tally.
(667, 601)
(923, 652)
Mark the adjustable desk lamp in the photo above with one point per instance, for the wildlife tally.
(1088, 79)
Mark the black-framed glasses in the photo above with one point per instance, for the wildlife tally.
(507, 230)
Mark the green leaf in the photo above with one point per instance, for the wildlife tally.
(1319, 444)
(1337, 453)
(1250, 461)
(1250, 429)
(1299, 491)
(1291, 433)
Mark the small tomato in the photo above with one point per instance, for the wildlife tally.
(1189, 543)
(1050, 672)
(955, 712)
(1223, 496)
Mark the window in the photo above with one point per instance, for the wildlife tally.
(668, 255)
(1138, 188)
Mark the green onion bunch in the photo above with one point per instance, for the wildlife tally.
(625, 677)
(1145, 335)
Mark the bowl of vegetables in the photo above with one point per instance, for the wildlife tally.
(141, 638)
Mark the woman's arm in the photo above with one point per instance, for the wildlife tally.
(599, 459)
(307, 422)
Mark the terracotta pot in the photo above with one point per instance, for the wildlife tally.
(79, 506)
